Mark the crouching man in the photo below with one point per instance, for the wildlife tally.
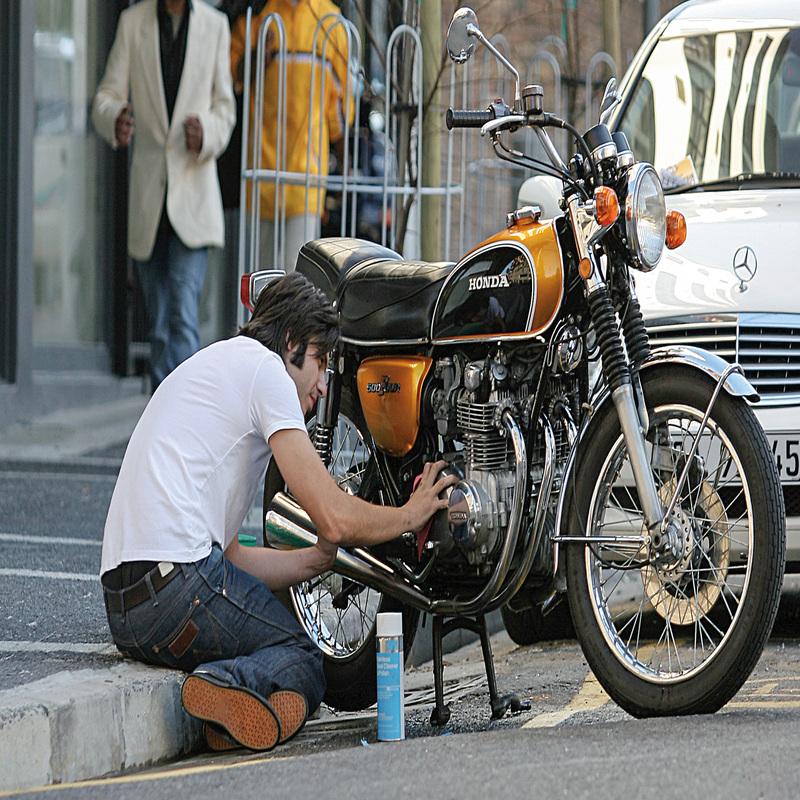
(180, 591)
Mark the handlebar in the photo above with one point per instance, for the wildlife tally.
(458, 118)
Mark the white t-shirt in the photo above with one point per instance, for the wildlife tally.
(199, 453)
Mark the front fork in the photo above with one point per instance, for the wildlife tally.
(624, 385)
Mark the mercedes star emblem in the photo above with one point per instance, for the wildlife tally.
(745, 265)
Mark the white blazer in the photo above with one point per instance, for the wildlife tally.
(161, 162)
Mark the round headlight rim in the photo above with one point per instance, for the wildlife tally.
(636, 175)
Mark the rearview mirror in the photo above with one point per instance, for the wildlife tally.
(610, 101)
(460, 41)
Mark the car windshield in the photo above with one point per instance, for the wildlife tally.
(716, 106)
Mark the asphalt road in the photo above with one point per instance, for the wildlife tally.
(52, 615)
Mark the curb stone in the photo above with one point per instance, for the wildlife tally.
(79, 725)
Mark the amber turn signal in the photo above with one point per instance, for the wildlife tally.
(585, 268)
(676, 229)
(606, 205)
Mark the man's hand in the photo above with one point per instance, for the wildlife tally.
(342, 518)
(123, 126)
(193, 130)
(425, 501)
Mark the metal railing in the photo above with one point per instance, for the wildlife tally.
(478, 189)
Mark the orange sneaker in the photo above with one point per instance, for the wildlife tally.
(291, 709)
(248, 718)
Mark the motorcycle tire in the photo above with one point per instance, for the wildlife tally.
(678, 631)
(337, 613)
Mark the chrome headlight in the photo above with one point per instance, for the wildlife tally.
(645, 216)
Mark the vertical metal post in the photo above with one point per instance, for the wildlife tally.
(17, 26)
(611, 34)
(431, 129)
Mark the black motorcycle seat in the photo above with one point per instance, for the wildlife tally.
(325, 261)
(390, 300)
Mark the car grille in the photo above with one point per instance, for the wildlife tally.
(767, 347)
(791, 498)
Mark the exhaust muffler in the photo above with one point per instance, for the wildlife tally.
(288, 527)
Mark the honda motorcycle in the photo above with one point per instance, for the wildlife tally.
(636, 482)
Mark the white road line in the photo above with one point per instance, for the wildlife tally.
(80, 476)
(99, 648)
(21, 537)
(38, 573)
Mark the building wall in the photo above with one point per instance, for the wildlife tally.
(577, 23)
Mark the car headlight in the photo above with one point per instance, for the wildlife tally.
(645, 216)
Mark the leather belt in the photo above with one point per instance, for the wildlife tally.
(121, 600)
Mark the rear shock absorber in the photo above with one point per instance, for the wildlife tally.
(327, 414)
(615, 367)
(323, 443)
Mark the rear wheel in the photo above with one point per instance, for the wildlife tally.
(339, 614)
(675, 626)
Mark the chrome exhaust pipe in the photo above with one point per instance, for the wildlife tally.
(288, 527)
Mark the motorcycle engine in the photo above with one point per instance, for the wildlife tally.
(480, 503)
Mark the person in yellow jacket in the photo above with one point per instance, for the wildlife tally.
(300, 19)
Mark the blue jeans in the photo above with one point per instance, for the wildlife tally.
(222, 619)
(172, 281)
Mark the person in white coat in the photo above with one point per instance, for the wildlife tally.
(170, 67)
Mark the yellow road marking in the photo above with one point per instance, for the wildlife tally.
(767, 688)
(591, 695)
(166, 773)
(759, 703)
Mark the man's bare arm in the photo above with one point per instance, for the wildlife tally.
(341, 518)
(280, 569)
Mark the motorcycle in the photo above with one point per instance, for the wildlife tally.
(635, 482)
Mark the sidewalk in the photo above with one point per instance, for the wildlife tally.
(91, 436)
(84, 723)
(81, 725)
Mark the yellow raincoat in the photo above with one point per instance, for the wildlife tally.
(300, 21)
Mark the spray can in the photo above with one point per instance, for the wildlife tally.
(390, 664)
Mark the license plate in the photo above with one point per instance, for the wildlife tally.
(786, 451)
(785, 446)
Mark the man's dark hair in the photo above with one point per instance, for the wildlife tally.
(292, 309)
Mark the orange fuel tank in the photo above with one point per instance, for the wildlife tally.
(510, 286)
(390, 389)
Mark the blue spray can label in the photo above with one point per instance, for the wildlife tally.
(390, 665)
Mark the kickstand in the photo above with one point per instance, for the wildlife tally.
(500, 704)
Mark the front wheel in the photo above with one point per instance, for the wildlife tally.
(674, 624)
(339, 614)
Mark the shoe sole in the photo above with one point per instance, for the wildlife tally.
(216, 740)
(291, 709)
(247, 718)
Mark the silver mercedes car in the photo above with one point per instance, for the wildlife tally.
(712, 99)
